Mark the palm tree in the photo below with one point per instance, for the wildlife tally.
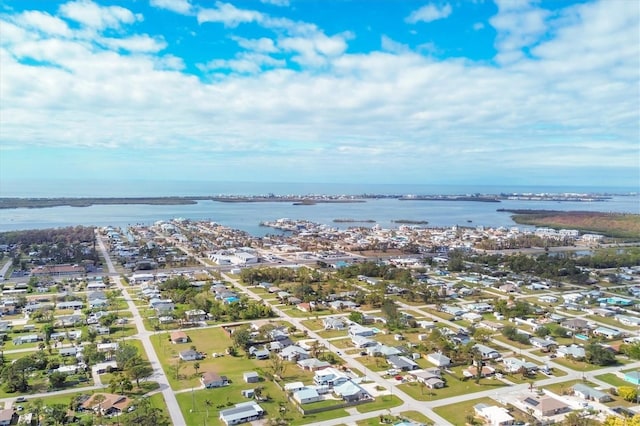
(196, 366)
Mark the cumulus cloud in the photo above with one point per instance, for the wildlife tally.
(229, 15)
(280, 3)
(570, 100)
(182, 7)
(98, 17)
(428, 13)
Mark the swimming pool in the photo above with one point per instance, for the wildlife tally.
(582, 337)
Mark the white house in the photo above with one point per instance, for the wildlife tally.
(438, 359)
(306, 396)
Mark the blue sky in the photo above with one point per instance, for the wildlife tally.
(360, 91)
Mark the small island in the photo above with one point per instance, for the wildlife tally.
(410, 222)
(354, 221)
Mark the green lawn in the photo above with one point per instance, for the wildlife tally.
(196, 410)
(577, 365)
(457, 413)
(381, 403)
(613, 380)
(454, 386)
(611, 321)
(328, 334)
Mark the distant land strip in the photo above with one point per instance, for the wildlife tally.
(36, 203)
(619, 225)
(481, 199)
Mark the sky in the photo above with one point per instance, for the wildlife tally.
(354, 91)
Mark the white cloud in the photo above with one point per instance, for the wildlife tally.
(182, 7)
(390, 45)
(98, 17)
(44, 23)
(281, 3)
(571, 104)
(137, 43)
(428, 13)
(519, 24)
(245, 62)
(263, 44)
(229, 15)
(478, 26)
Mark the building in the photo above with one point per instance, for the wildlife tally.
(8, 417)
(329, 377)
(494, 416)
(590, 394)
(632, 377)
(358, 330)
(513, 365)
(572, 351)
(179, 337)
(438, 359)
(213, 380)
(251, 377)
(544, 406)
(306, 396)
(350, 392)
(402, 363)
(241, 413)
(110, 404)
(487, 352)
(190, 355)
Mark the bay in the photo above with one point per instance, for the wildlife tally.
(247, 216)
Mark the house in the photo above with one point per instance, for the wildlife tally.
(350, 392)
(632, 377)
(241, 413)
(493, 415)
(382, 350)
(402, 363)
(293, 386)
(293, 353)
(108, 405)
(72, 351)
(438, 359)
(430, 377)
(29, 338)
(179, 337)
(472, 371)
(251, 377)
(195, 315)
(627, 320)
(213, 380)
(329, 377)
(190, 355)
(590, 394)
(571, 351)
(313, 364)
(73, 304)
(358, 330)
(544, 406)
(575, 324)
(486, 351)
(513, 365)
(306, 396)
(544, 344)
(334, 323)
(606, 332)
(259, 353)
(8, 416)
(363, 342)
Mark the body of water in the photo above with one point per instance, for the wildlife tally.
(247, 216)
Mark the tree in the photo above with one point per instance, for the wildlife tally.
(196, 367)
(542, 331)
(277, 364)
(628, 393)
(144, 415)
(598, 355)
(138, 369)
(125, 354)
(120, 383)
(356, 316)
(57, 379)
(56, 413)
(241, 337)
(619, 421)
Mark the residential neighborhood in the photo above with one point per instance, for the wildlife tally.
(324, 334)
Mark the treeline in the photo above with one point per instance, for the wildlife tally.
(611, 258)
(375, 270)
(254, 276)
(523, 241)
(68, 235)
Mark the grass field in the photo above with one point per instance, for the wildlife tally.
(454, 386)
(381, 403)
(457, 413)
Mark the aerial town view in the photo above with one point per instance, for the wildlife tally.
(320, 212)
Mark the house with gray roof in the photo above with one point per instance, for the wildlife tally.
(242, 413)
(438, 359)
(590, 394)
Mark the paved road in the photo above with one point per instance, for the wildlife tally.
(5, 268)
(144, 336)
